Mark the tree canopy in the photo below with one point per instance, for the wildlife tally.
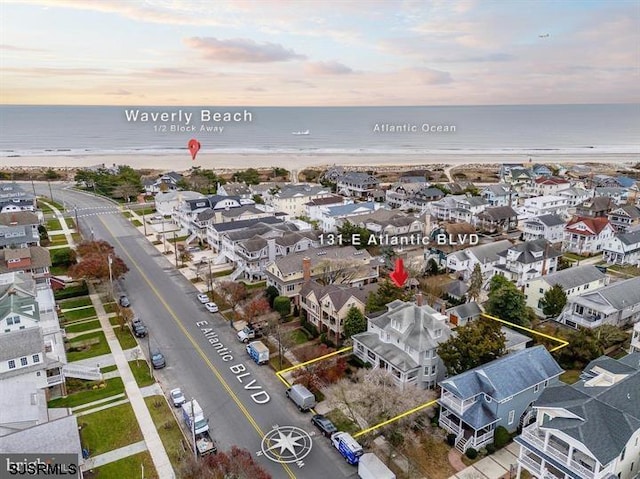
(475, 285)
(472, 345)
(386, 293)
(554, 301)
(507, 302)
(109, 182)
(354, 322)
(354, 235)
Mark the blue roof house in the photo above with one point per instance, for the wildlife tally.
(499, 393)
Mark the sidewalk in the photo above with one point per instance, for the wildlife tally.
(495, 466)
(65, 229)
(149, 431)
(115, 455)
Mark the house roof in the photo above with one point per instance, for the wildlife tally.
(236, 189)
(23, 342)
(40, 257)
(551, 181)
(356, 177)
(625, 181)
(345, 210)
(497, 213)
(506, 376)
(526, 251)
(338, 293)
(498, 190)
(630, 238)
(233, 212)
(292, 263)
(238, 225)
(479, 415)
(291, 191)
(15, 218)
(327, 200)
(392, 354)
(547, 220)
(632, 211)
(618, 295)
(607, 416)
(485, 253)
(430, 192)
(598, 203)
(456, 288)
(177, 195)
(466, 310)
(575, 276)
(594, 225)
(23, 305)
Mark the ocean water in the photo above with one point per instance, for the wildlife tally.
(86, 130)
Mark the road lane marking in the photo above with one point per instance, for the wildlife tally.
(195, 345)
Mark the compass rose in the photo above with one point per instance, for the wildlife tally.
(286, 444)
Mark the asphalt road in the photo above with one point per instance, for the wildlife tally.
(177, 323)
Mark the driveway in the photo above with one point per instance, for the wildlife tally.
(495, 466)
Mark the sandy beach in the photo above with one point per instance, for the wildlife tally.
(181, 162)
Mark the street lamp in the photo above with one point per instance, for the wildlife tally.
(110, 261)
(175, 247)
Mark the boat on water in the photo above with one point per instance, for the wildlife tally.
(301, 133)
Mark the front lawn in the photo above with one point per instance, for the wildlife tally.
(131, 466)
(167, 427)
(298, 336)
(57, 240)
(71, 292)
(140, 370)
(87, 346)
(111, 387)
(626, 270)
(74, 315)
(136, 223)
(126, 338)
(75, 302)
(342, 422)
(109, 429)
(53, 224)
(274, 362)
(110, 307)
(85, 326)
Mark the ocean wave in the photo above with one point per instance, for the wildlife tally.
(157, 150)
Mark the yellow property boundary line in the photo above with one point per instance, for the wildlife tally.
(562, 344)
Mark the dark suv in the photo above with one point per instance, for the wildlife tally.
(124, 301)
(139, 329)
(157, 359)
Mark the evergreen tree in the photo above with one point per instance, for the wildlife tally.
(354, 323)
(507, 302)
(475, 285)
(554, 301)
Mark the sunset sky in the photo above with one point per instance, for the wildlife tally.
(299, 53)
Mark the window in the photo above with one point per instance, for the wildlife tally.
(371, 355)
(541, 291)
(291, 287)
(623, 453)
(23, 361)
(487, 398)
(433, 370)
(512, 416)
(536, 388)
(360, 347)
(12, 364)
(546, 383)
(35, 358)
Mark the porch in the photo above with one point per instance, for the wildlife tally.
(466, 435)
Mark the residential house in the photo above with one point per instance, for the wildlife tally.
(587, 236)
(388, 223)
(333, 173)
(335, 264)
(497, 219)
(544, 205)
(267, 189)
(456, 290)
(357, 184)
(217, 230)
(13, 198)
(163, 183)
(463, 314)
(526, 261)
(574, 281)
(329, 216)
(486, 255)
(241, 190)
(326, 306)
(549, 227)
(617, 194)
(34, 260)
(468, 208)
(544, 186)
(522, 179)
(442, 209)
(500, 393)
(399, 194)
(19, 229)
(314, 209)
(460, 187)
(505, 169)
(500, 195)
(291, 199)
(575, 196)
(626, 182)
(541, 170)
(596, 207)
(167, 203)
(244, 212)
(623, 248)
(439, 253)
(195, 215)
(624, 218)
(605, 181)
(617, 304)
(425, 197)
(403, 341)
(587, 430)
(635, 339)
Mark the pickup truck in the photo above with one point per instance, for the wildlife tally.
(251, 331)
(205, 444)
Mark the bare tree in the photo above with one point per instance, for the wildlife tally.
(341, 271)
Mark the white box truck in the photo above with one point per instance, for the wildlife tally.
(258, 352)
(371, 467)
(194, 417)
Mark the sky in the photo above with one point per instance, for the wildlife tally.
(319, 53)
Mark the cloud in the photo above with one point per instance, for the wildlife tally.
(327, 68)
(119, 92)
(490, 57)
(241, 50)
(15, 48)
(429, 76)
(48, 71)
(254, 88)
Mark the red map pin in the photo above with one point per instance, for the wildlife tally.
(194, 147)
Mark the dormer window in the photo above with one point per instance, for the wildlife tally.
(437, 333)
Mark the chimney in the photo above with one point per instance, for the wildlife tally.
(306, 269)
(419, 298)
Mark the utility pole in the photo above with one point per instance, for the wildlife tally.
(193, 431)
(110, 260)
(50, 192)
(32, 185)
(149, 349)
(175, 247)
(209, 279)
(144, 224)
(164, 237)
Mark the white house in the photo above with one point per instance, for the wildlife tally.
(549, 227)
(635, 339)
(485, 255)
(588, 430)
(500, 195)
(545, 205)
(525, 261)
(549, 186)
(291, 199)
(587, 236)
(624, 218)
(574, 281)
(330, 215)
(166, 203)
(315, 208)
(403, 341)
(618, 195)
(617, 304)
(575, 195)
(623, 248)
(468, 208)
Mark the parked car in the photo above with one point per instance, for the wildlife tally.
(327, 428)
(139, 329)
(211, 307)
(301, 397)
(177, 397)
(157, 360)
(124, 301)
(203, 298)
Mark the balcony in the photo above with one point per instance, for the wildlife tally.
(54, 380)
(449, 425)
(536, 438)
(450, 401)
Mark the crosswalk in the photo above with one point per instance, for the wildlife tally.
(91, 211)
